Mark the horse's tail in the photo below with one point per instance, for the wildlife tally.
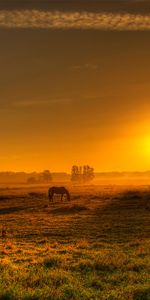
(50, 194)
(68, 195)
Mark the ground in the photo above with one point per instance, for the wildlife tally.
(95, 247)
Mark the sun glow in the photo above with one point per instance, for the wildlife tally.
(145, 146)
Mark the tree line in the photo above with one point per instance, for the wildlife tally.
(82, 174)
(79, 174)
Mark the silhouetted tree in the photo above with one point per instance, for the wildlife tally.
(45, 176)
(82, 174)
(32, 180)
(76, 173)
(88, 173)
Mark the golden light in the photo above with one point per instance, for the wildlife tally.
(145, 146)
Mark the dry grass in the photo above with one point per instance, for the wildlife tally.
(95, 247)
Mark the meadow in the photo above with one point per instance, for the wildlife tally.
(97, 246)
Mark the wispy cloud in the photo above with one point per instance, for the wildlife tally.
(87, 66)
(42, 103)
(73, 20)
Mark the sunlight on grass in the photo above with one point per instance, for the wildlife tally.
(102, 252)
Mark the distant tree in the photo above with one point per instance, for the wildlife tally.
(88, 173)
(82, 174)
(45, 176)
(76, 173)
(31, 180)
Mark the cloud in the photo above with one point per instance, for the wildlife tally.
(42, 103)
(87, 66)
(73, 20)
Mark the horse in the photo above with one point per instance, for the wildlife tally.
(58, 190)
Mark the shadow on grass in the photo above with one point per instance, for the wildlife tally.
(7, 295)
(69, 210)
(142, 294)
(125, 218)
(11, 197)
(132, 195)
(52, 261)
(37, 195)
(10, 210)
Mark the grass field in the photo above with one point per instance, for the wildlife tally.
(95, 247)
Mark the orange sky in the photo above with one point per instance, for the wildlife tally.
(74, 97)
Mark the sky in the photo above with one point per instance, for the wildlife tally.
(75, 85)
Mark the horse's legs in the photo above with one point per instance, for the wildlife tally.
(51, 197)
(68, 195)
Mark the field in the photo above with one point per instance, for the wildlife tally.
(95, 247)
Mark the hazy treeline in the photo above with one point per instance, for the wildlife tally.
(23, 177)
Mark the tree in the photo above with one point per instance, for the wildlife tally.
(32, 180)
(45, 176)
(88, 173)
(82, 174)
(76, 173)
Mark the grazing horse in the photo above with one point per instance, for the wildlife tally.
(58, 190)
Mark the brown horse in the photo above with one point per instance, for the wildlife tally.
(58, 190)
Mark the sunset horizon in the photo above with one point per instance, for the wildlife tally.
(75, 85)
(75, 149)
